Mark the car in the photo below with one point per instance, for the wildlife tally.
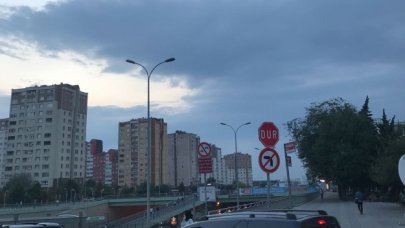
(34, 225)
(269, 218)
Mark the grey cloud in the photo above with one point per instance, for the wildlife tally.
(221, 38)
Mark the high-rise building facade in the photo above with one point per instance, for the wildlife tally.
(95, 161)
(133, 151)
(243, 165)
(101, 166)
(3, 142)
(47, 130)
(111, 167)
(183, 158)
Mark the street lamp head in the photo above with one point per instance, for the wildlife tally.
(130, 61)
(223, 124)
(168, 60)
(247, 123)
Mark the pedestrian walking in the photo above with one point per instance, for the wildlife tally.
(321, 192)
(358, 199)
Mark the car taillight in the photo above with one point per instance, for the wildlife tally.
(321, 222)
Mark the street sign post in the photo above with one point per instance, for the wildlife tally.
(268, 134)
(290, 147)
(269, 161)
(289, 162)
(204, 150)
(205, 165)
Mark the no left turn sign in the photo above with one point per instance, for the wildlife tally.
(204, 149)
(269, 160)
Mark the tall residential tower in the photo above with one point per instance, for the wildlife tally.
(46, 136)
(133, 150)
(183, 158)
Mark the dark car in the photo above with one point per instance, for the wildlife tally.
(270, 218)
(34, 225)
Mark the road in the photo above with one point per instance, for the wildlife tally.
(376, 214)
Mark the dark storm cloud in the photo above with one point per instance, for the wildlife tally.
(231, 39)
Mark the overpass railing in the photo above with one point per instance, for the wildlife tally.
(157, 214)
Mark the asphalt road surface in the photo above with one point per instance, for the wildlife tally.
(375, 214)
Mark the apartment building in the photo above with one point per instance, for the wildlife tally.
(46, 136)
(183, 160)
(101, 166)
(95, 161)
(243, 165)
(3, 142)
(133, 151)
(111, 167)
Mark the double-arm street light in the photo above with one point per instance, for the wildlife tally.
(236, 151)
(148, 178)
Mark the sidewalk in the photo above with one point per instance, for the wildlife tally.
(376, 214)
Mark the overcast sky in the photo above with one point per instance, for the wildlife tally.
(236, 61)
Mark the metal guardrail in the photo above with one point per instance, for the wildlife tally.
(279, 203)
(158, 214)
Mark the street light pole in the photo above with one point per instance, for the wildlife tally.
(148, 179)
(4, 198)
(236, 151)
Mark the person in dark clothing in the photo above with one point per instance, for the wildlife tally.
(321, 192)
(359, 197)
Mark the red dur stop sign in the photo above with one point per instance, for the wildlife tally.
(268, 134)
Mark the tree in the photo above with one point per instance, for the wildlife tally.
(337, 143)
(211, 180)
(181, 187)
(384, 171)
(141, 189)
(17, 186)
(35, 193)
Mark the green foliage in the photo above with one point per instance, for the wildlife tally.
(35, 193)
(163, 188)
(211, 180)
(141, 189)
(336, 142)
(17, 187)
(385, 171)
(127, 190)
(181, 187)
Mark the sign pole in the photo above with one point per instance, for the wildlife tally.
(268, 189)
(205, 193)
(288, 178)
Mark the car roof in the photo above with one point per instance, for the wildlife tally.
(32, 225)
(278, 218)
(282, 213)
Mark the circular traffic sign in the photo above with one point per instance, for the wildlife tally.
(204, 149)
(268, 134)
(269, 160)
